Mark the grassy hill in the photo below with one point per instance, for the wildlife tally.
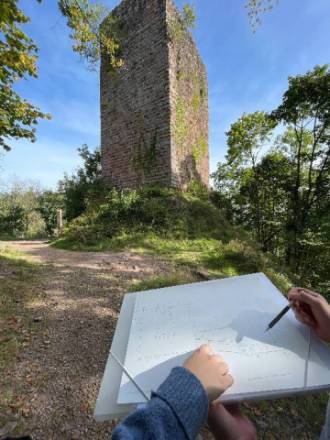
(184, 227)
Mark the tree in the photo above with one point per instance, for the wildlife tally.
(305, 111)
(245, 140)
(48, 204)
(18, 55)
(96, 31)
(280, 190)
(19, 216)
(256, 8)
(85, 186)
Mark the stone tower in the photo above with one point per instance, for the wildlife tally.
(154, 110)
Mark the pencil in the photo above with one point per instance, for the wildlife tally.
(278, 317)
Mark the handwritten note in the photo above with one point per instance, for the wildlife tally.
(230, 314)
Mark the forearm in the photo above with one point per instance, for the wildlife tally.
(178, 409)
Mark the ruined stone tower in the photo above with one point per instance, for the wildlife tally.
(154, 110)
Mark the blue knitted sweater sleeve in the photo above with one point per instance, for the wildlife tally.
(177, 410)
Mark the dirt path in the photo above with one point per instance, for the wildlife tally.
(65, 333)
(58, 373)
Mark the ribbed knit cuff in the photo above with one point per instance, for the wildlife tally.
(184, 393)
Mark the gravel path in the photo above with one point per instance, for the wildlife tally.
(59, 371)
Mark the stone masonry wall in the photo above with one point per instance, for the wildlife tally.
(135, 113)
(154, 113)
(189, 106)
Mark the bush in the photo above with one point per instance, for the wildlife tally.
(166, 212)
(84, 189)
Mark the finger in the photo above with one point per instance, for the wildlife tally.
(308, 320)
(305, 319)
(309, 299)
(223, 368)
(227, 380)
(205, 349)
(293, 293)
(316, 295)
(299, 318)
(295, 305)
(310, 292)
(218, 359)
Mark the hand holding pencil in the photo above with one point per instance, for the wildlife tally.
(312, 309)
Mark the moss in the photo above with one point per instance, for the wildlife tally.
(196, 153)
(199, 149)
(195, 102)
(180, 75)
(144, 157)
(181, 126)
(145, 153)
(176, 31)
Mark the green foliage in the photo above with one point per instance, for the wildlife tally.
(48, 204)
(180, 26)
(18, 55)
(12, 220)
(280, 189)
(19, 212)
(307, 98)
(256, 8)
(247, 136)
(85, 187)
(163, 211)
(95, 31)
(181, 125)
(198, 189)
(189, 16)
(200, 148)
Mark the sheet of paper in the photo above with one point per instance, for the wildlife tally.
(161, 337)
(231, 315)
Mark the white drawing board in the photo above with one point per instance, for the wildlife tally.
(232, 315)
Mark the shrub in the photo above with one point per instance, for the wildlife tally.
(166, 212)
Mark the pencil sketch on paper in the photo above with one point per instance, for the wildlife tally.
(231, 315)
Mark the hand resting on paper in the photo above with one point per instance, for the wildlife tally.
(211, 370)
(311, 309)
(180, 406)
(225, 422)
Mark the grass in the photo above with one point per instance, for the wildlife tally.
(173, 279)
(19, 285)
(219, 258)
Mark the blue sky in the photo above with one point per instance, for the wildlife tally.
(247, 72)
